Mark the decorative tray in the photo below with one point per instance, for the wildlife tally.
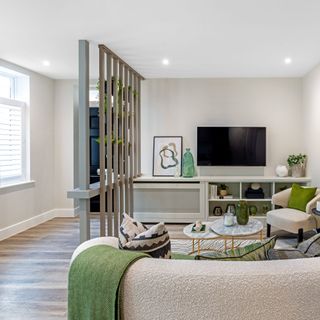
(203, 228)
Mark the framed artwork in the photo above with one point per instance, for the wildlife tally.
(167, 156)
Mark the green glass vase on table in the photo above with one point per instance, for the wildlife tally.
(242, 212)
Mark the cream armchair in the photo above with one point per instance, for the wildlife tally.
(292, 220)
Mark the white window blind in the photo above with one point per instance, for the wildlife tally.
(12, 141)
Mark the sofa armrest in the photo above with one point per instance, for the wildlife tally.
(281, 198)
(109, 241)
(313, 203)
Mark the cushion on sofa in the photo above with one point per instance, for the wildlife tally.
(251, 252)
(300, 197)
(154, 241)
(283, 254)
(310, 247)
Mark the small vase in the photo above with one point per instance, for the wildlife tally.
(188, 169)
(297, 171)
(242, 213)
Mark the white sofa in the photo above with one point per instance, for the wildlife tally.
(221, 290)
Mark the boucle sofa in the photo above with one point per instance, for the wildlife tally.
(186, 289)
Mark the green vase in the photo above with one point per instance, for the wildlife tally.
(188, 169)
(242, 213)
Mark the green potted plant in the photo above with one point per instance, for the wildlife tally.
(297, 163)
(223, 190)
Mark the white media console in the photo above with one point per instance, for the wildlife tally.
(178, 199)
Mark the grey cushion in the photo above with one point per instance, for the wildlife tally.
(280, 254)
(311, 247)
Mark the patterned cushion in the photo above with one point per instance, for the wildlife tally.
(154, 241)
(280, 254)
(252, 252)
(129, 229)
(310, 247)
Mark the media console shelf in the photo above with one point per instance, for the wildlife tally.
(178, 199)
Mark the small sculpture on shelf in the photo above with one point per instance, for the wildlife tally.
(223, 190)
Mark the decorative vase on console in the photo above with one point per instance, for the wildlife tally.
(281, 171)
(242, 213)
(188, 169)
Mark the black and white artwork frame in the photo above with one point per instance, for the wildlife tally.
(167, 156)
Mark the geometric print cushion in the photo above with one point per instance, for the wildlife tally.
(129, 229)
(310, 247)
(251, 252)
(154, 241)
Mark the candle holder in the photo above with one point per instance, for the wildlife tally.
(228, 219)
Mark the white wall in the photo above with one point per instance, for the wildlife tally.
(178, 106)
(311, 112)
(63, 142)
(27, 203)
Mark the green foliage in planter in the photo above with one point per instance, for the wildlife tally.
(294, 159)
(223, 187)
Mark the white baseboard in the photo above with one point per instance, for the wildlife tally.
(36, 220)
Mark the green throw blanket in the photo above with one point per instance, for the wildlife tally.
(94, 282)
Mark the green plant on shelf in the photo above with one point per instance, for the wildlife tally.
(298, 159)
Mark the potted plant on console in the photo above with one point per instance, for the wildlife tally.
(297, 163)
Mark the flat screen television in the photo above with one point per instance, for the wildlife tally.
(231, 146)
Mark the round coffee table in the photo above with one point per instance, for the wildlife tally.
(196, 237)
(237, 231)
(216, 230)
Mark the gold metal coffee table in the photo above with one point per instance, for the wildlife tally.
(217, 231)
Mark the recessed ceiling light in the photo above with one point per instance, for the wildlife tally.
(165, 62)
(287, 60)
(46, 63)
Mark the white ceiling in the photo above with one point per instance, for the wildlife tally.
(204, 38)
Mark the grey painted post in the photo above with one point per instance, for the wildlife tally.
(84, 137)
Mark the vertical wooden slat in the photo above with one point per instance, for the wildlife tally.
(126, 140)
(121, 145)
(135, 127)
(115, 149)
(131, 150)
(102, 146)
(109, 145)
(139, 127)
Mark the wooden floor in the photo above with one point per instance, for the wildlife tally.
(34, 268)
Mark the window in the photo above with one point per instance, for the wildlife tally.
(13, 151)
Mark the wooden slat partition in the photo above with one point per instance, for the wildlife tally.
(135, 126)
(121, 145)
(115, 149)
(102, 146)
(131, 139)
(126, 140)
(139, 127)
(120, 89)
(109, 144)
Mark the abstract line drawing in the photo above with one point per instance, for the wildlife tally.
(167, 155)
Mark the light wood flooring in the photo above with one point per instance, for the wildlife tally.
(34, 269)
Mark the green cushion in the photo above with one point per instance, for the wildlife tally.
(252, 252)
(300, 197)
(180, 256)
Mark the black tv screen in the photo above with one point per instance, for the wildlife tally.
(231, 146)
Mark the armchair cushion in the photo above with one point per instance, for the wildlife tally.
(300, 197)
(290, 220)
